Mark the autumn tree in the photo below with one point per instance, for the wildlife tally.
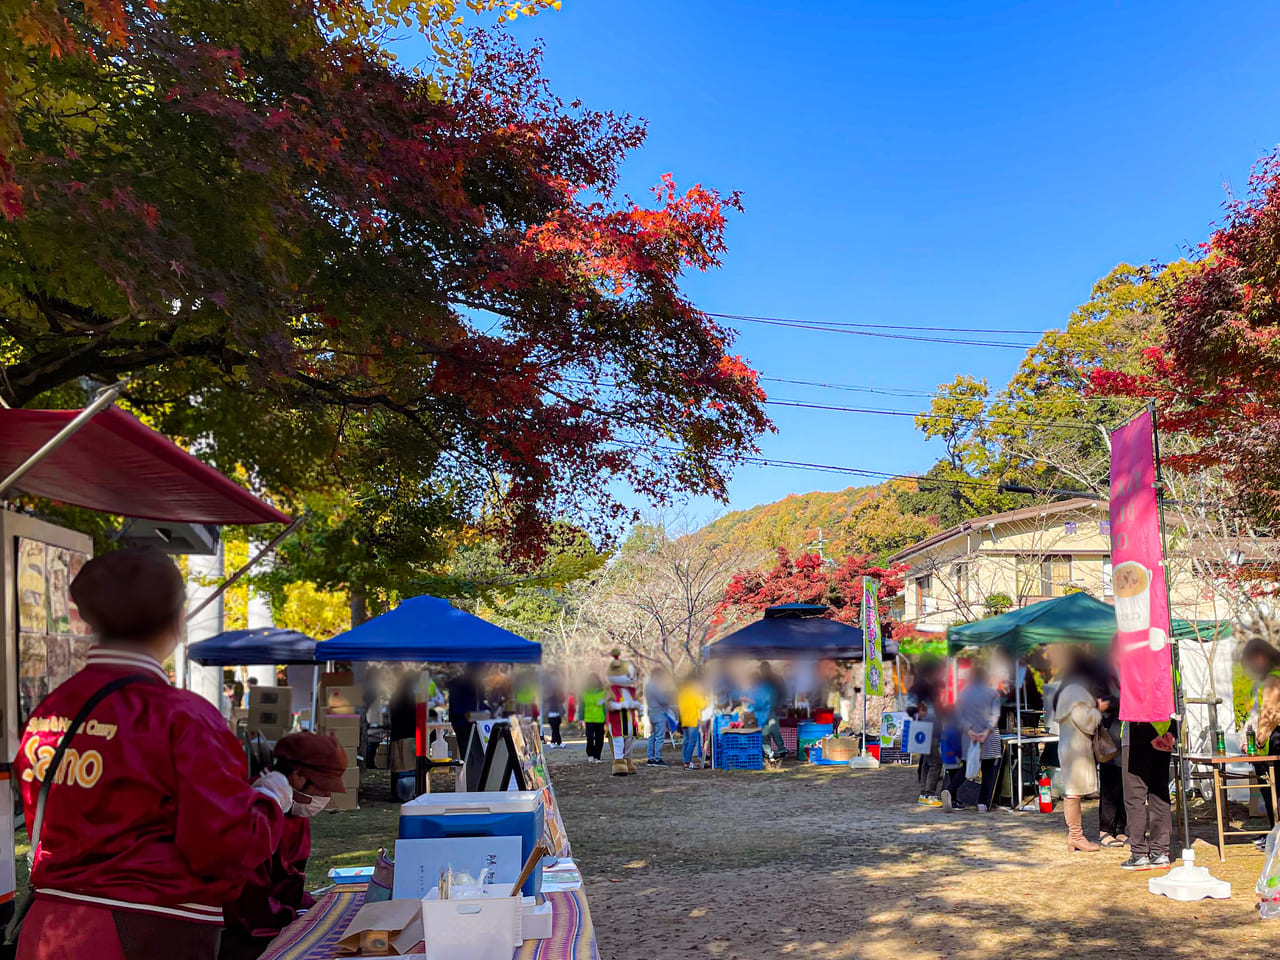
(807, 578)
(657, 598)
(1215, 374)
(412, 303)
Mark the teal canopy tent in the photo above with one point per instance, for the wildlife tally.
(1075, 618)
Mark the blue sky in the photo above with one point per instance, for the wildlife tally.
(945, 164)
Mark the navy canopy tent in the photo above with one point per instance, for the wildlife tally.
(793, 631)
(429, 630)
(268, 645)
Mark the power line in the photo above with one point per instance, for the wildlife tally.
(1074, 425)
(828, 468)
(793, 325)
(869, 326)
(925, 394)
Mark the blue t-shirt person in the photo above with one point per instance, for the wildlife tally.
(762, 701)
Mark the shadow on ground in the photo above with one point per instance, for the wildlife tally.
(827, 864)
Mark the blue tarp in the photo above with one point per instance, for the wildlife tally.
(429, 630)
(247, 647)
(793, 631)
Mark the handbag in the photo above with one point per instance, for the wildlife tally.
(1104, 745)
(11, 932)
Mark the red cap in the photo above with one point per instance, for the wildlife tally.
(321, 758)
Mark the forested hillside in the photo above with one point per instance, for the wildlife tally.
(852, 521)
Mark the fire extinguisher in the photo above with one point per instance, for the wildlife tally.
(1042, 788)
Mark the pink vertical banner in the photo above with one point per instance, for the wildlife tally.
(1137, 578)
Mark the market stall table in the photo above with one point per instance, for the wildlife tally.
(315, 935)
(1223, 781)
(1013, 748)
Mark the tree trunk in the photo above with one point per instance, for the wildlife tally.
(359, 603)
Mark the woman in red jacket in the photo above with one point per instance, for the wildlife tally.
(150, 823)
(275, 892)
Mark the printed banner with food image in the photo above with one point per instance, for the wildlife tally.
(1138, 581)
(872, 663)
(33, 616)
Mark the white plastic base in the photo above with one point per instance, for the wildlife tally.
(1189, 882)
(864, 762)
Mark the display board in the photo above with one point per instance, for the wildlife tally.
(53, 640)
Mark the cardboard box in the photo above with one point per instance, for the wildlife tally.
(344, 801)
(269, 733)
(337, 678)
(345, 699)
(342, 721)
(351, 779)
(351, 750)
(269, 717)
(280, 698)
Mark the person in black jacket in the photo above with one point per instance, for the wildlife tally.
(1112, 816)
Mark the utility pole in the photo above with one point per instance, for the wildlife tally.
(821, 544)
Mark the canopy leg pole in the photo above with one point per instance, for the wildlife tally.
(1017, 719)
(105, 398)
(231, 580)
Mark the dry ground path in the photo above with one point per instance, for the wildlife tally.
(824, 864)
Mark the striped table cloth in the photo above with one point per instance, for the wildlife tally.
(315, 935)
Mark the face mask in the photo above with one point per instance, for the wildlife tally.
(309, 807)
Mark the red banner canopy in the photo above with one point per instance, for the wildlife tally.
(117, 464)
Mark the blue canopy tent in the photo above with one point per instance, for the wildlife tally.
(429, 630)
(268, 645)
(792, 631)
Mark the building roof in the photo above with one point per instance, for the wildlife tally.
(1008, 516)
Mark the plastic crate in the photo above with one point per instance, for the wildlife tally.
(739, 751)
(720, 722)
(811, 731)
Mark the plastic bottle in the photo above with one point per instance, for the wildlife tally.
(1268, 887)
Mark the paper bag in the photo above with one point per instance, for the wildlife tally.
(400, 919)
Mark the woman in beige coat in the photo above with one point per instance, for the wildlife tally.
(1077, 711)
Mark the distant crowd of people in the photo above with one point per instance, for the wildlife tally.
(1126, 764)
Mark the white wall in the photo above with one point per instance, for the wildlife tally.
(206, 681)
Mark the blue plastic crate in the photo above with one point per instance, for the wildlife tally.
(720, 722)
(810, 730)
(739, 751)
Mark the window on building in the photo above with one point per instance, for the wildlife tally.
(1071, 527)
(924, 594)
(960, 577)
(1055, 576)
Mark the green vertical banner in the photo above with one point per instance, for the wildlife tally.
(872, 664)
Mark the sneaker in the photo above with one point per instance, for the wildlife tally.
(982, 808)
(947, 803)
(926, 801)
(1137, 863)
(661, 763)
(1261, 843)
(1161, 862)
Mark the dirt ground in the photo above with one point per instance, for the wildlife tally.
(824, 863)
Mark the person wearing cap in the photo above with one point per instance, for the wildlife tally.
(150, 823)
(275, 891)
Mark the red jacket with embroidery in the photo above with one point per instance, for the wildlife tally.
(276, 890)
(151, 810)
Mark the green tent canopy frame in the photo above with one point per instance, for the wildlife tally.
(1075, 618)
